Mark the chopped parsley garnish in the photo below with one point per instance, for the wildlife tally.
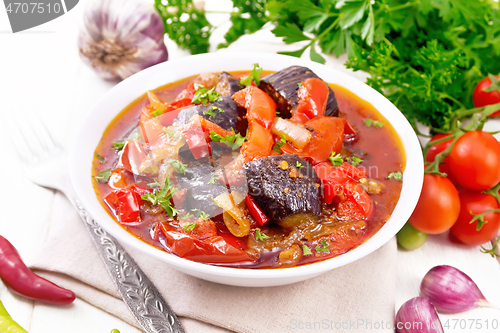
(103, 176)
(154, 184)
(171, 135)
(210, 112)
(376, 123)
(163, 198)
(323, 247)
(200, 214)
(253, 75)
(118, 145)
(214, 178)
(100, 158)
(137, 136)
(299, 84)
(336, 159)
(187, 216)
(354, 160)
(260, 236)
(299, 165)
(189, 227)
(280, 143)
(396, 175)
(156, 113)
(233, 141)
(306, 250)
(203, 95)
(178, 166)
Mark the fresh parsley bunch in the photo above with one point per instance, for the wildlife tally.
(425, 55)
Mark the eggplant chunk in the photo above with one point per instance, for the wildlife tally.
(284, 185)
(282, 86)
(201, 188)
(227, 85)
(227, 114)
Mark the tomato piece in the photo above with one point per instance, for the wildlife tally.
(475, 160)
(327, 137)
(120, 178)
(151, 131)
(339, 186)
(313, 95)
(438, 206)
(184, 98)
(125, 203)
(483, 98)
(260, 106)
(255, 210)
(473, 203)
(132, 155)
(195, 138)
(259, 142)
(167, 118)
(212, 250)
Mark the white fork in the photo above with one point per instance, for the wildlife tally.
(46, 164)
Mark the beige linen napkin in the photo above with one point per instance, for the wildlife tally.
(347, 299)
(355, 298)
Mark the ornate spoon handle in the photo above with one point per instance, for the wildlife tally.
(139, 293)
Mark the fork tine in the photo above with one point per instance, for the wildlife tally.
(20, 144)
(45, 139)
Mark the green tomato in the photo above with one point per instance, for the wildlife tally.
(410, 238)
(115, 331)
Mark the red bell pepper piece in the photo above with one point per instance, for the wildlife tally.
(255, 210)
(259, 142)
(212, 250)
(195, 138)
(260, 106)
(125, 203)
(133, 154)
(313, 95)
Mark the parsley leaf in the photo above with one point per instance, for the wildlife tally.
(378, 124)
(171, 135)
(306, 250)
(253, 75)
(280, 143)
(210, 112)
(299, 165)
(186, 216)
(163, 197)
(178, 166)
(156, 113)
(118, 145)
(100, 158)
(103, 176)
(189, 227)
(323, 247)
(336, 159)
(204, 95)
(396, 175)
(200, 214)
(354, 160)
(260, 236)
(233, 141)
(213, 179)
(154, 184)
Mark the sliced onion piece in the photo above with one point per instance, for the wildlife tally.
(234, 219)
(297, 134)
(156, 102)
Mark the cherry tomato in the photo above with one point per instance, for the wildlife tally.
(475, 160)
(438, 206)
(410, 238)
(476, 203)
(444, 167)
(483, 98)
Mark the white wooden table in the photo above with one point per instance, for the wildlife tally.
(40, 69)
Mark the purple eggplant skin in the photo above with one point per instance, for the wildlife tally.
(283, 85)
(418, 315)
(284, 185)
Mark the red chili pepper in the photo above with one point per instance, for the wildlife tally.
(21, 280)
(255, 210)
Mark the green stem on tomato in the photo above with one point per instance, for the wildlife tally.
(492, 251)
(480, 217)
(494, 192)
(433, 167)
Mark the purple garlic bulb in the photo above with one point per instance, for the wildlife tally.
(119, 38)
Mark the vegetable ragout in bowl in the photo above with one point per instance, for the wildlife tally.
(241, 171)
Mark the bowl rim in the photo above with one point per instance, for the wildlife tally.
(112, 103)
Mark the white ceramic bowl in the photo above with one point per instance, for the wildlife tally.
(125, 92)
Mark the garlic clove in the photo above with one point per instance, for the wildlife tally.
(418, 315)
(451, 290)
